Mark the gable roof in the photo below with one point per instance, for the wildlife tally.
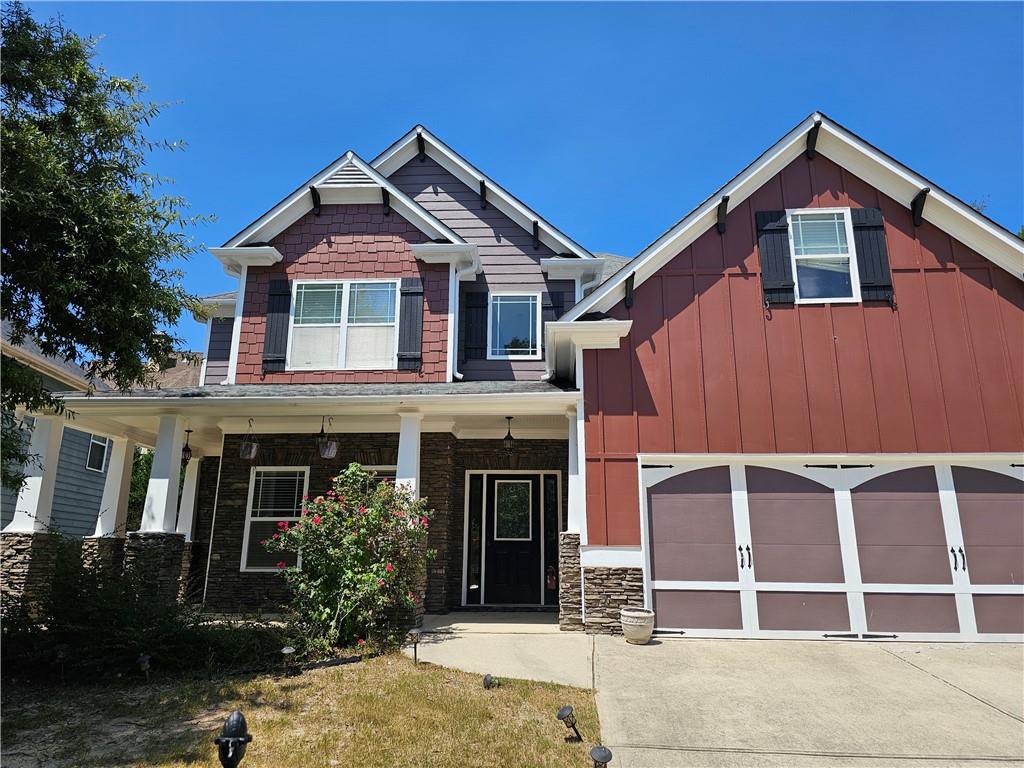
(846, 149)
(349, 179)
(407, 147)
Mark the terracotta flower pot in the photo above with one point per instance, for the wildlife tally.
(637, 624)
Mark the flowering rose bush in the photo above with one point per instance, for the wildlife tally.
(362, 558)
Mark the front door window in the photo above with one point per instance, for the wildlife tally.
(513, 519)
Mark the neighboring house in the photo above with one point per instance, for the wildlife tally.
(798, 413)
(82, 463)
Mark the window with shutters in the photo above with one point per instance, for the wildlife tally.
(350, 325)
(824, 262)
(276, 496)
(513, 326)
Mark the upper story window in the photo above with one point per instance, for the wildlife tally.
(513, 326)
(824, 259)
(344, 325)
(96, 458)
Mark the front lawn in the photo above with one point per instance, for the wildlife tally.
(379, 712)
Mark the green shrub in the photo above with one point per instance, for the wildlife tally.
(363, 562)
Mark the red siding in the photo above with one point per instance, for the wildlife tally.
(346, 242)
(707, 369)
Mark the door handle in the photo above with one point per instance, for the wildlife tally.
(963, 558)
(953, 553)
(740, 550)
(750, 558)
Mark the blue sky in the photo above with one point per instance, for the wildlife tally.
(611, 120)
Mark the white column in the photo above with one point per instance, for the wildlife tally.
(161, 508)
(35, 501)
(189, 489)
(576, 521)
(114, 503)
(408, 472)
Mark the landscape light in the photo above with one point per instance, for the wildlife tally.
(565, 714)
(601, 756)
(231, 743)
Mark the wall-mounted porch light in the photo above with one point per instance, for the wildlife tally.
(247, 450)
(186, 452)
(325, 444)
(509, 441)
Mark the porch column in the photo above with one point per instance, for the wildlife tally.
(158, 516)
(576, 513)
(408, 471)
(114, 503)
(189, 489)
(35, 501)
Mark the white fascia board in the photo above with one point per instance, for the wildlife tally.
(561, 268)
(563, 337)
(224, 307)
(848, 151)
(234, 259)
(464, 257)
(405, 149)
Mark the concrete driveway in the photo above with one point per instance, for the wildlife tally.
(715, 703)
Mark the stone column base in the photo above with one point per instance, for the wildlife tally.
(605, 591)
(155, 560)
(103, 553)
(570, 587)
(28, 562)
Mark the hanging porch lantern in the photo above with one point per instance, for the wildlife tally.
(186, 452)
(247, 450)
(509, 441)
(325, 444)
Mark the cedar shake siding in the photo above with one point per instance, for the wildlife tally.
(706, 368)
(346, 242)
(510, 261)
(219, 350)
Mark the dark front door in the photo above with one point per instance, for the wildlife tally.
(512, 549)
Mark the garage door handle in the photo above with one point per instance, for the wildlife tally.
(750, 558)
(953, 553)
(963, 558)
(740, 550)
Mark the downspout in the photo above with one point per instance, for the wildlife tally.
(471, 268)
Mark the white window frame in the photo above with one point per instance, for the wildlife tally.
(96, 440)
(529, 511)
(490, 318)
(342, 325)
(851, 255)
(243, 565)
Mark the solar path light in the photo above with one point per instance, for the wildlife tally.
(565, 714)
(601, 756)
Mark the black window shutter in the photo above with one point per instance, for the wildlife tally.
(872, 254)
(275, 338)
(410, 325)
(776, 268)
(474, 326)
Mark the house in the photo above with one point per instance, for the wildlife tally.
(797, 413)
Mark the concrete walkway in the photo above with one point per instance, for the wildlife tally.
(738, 703)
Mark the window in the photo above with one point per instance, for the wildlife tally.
(275, 495)
(96, 458)
(513, 327)
(824, 261)
(513, 510)
(348, 325)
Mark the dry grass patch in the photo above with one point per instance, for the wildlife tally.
(381, 712)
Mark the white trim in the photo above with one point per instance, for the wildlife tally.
(538, 337)
(611, 557)
(97, 439)
(249, 518)
(852, 153)
(343, 325)
(529, 510)
(405, 149)
(213, 519)
(236, 329)
(237, 259)
(206, 351)
(850, 256)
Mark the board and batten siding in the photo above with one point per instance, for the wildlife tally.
(510, 261)
(219, 351)
(706, 368)
(78, 492)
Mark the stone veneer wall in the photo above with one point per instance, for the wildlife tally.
(491, 455)
(605, 591)
(570, 592)
(157, 559)
(104, 552)
(27, 565)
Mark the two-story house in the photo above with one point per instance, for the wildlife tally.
(798, 413)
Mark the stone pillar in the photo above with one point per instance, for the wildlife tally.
(605, 591)
(154, 559)
(28, 562)
(35, 501)
(114, 503)
(408, 471)
(570, 594)
(187, 506)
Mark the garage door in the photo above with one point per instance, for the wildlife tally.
(804, 549)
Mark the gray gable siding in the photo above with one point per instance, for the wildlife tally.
(507, 253)
(219, 351)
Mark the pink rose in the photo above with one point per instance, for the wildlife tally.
(276, 536)
(263, 543)
(281, 565)
(389, 567)
(316, 519)
(380, 582)
(283, 525)
(423, 522)
(360, 641)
